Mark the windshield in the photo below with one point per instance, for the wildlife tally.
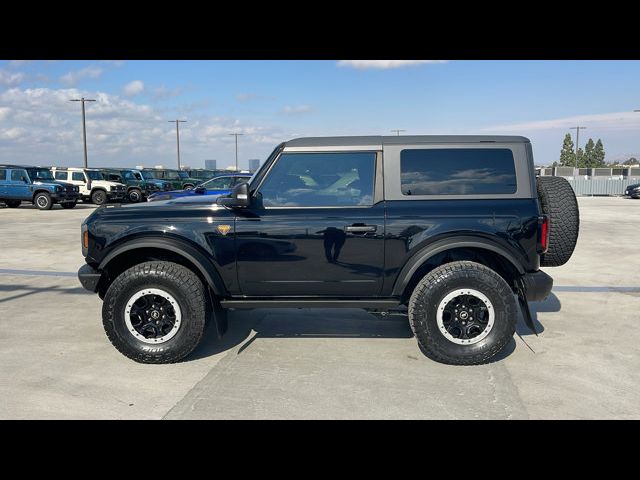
(40, 174)
(128, 175)
(94, 175)
(137, 174)
(261, 169)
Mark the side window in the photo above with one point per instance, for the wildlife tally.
(77, 176)
(457, 171)
(61, 175)
(18, 175)
(219, 183)
(339, 179)
(3, 174)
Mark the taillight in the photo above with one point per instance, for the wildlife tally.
(543, 234)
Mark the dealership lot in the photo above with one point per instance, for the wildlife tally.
(56, 362)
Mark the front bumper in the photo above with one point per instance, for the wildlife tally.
(89, 277)
(62, 197)
(537, 285)
(116, 194)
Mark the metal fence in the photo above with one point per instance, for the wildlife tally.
(596, 181)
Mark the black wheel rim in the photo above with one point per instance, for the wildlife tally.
(465, 316)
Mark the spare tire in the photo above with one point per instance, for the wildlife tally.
(558, 201)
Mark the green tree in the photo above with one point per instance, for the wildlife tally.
(598, 155)
(587, 160)
(567, 154)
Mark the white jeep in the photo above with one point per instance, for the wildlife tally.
(91, 183)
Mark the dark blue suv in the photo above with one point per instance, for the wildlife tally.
(35, 185)
(454, 229)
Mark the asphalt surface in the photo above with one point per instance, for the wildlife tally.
(56, 362)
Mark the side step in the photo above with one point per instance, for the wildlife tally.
(376, 303)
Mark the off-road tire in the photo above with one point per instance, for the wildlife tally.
(188, 186)
(435, 286)
(42, 200)
(558, 201)
(68, 205)
(99, 197)
(178, 281)
(135, 195)
(12, 203)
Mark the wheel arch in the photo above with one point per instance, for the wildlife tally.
(142, 249)
(448, 250)
(40, 190)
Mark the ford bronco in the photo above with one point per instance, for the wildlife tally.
(35, 185)
(93, 187)
(455, 228)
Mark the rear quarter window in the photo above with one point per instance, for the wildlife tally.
(457, 171)
(3, 174)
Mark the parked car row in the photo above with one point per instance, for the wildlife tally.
(47, 186)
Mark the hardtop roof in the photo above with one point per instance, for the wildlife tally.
(380, 140)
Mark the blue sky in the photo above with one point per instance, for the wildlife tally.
(272, 101)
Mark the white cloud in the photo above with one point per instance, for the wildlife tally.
(384, 64)
(163, 92)
(72, 78)
(296, 109)
(115, 63)
(10, 79)
(133, 88)
(18, 63)
(41, 126)
(598, 121)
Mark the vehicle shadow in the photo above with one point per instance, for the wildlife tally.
(27, 290)
(299, 323)
(550, 304)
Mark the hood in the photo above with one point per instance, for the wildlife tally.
(107, 183)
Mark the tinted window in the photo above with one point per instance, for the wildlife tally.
(320, 180)
(61, 175)
(18, 175)
(93, 175)
(77, 176)
(460, 171)
(3, 174)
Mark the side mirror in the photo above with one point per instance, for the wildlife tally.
(238, 198)
(201, 190)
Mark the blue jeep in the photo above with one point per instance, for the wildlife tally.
(36, 185)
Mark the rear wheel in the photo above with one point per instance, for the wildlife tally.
(43, 201)
(462, 313)
(154, 312)
(99, 197)
(12, 203)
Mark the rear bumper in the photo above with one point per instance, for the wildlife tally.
(89, 277)
(537, 285)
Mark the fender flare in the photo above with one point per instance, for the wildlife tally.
(439, 246)
(180, 247)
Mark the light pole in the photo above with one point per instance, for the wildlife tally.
(84, 126)
(577, 129)
(236, 135)
(177, 122)
(398, 130)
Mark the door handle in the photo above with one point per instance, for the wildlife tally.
(361, 228)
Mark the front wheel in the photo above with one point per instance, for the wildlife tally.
(462, 313)
(135, 195)
(154, 312)
(99, 197)
(188, 186)
(43, 201)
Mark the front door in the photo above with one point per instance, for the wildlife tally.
(19, 186)
(313, 228)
